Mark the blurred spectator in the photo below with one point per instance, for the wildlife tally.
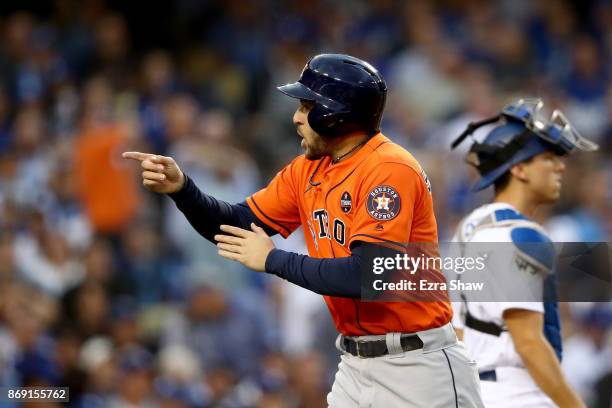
(5, 131)
(124, 328)
(241, 24)
(551, 29)
(134, 383)
(589, 219)
(99, 366)
(307, 378)
(7, 258)
(106, 186)
(226, 330)
(588, 353)
(64, 211)
(180, 377)
(586, 88)
(421, 75)
(43, 258)
(150, 272)
(86, 307)
(158, 81)
(23, 336)
(112, 44)
(510, 52)
(32, 165)
(204, 147)
(66, 354)
(98, 263)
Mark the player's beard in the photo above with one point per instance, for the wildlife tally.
(315, 149)
(313, 154)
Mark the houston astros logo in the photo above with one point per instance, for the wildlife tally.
(346, 202)
(383, 203)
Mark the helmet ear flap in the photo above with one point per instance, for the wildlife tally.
(317, 119)
(331, 124)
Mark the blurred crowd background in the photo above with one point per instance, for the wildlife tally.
(106, 289)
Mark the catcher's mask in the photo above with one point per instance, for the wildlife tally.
(524, 131)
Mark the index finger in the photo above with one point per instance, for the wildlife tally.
(136, 155)
(156, 158)
(238, 232)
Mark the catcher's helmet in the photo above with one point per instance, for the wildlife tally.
(348, 94)
(524, 132)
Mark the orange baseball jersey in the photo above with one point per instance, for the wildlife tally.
(379, 194)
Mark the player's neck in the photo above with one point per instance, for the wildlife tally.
(347, 146)
(517, 197)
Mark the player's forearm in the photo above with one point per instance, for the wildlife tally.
(543, 366)
(459, 333)
(327, 276)
(205, 213)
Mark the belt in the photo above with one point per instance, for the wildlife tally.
(377, 348)
(482, 326)
(488, 375)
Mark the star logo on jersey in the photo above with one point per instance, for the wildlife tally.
(383, 203)
(346, 202)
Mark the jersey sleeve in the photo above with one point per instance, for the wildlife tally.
(515, 271)
(277, 204)
(534, 248)
(533, 262)
(388, 200)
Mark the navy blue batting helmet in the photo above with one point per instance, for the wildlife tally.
(348, 93)
(524, 131)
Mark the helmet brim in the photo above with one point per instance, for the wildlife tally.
(533, 148)
(298, 90)
(489, 178)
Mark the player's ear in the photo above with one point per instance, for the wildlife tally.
(519, 171)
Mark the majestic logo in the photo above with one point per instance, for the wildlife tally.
(346, 202)
(314, 235)
(383, 203)
(426, 180)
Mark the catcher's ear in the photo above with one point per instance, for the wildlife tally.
(519, 171)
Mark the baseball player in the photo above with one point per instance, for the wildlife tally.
(518, 344)
(351, 187)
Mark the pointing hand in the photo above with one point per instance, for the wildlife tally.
(160, 174)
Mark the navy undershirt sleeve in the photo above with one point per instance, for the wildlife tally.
(206, 214)
(326, 276)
